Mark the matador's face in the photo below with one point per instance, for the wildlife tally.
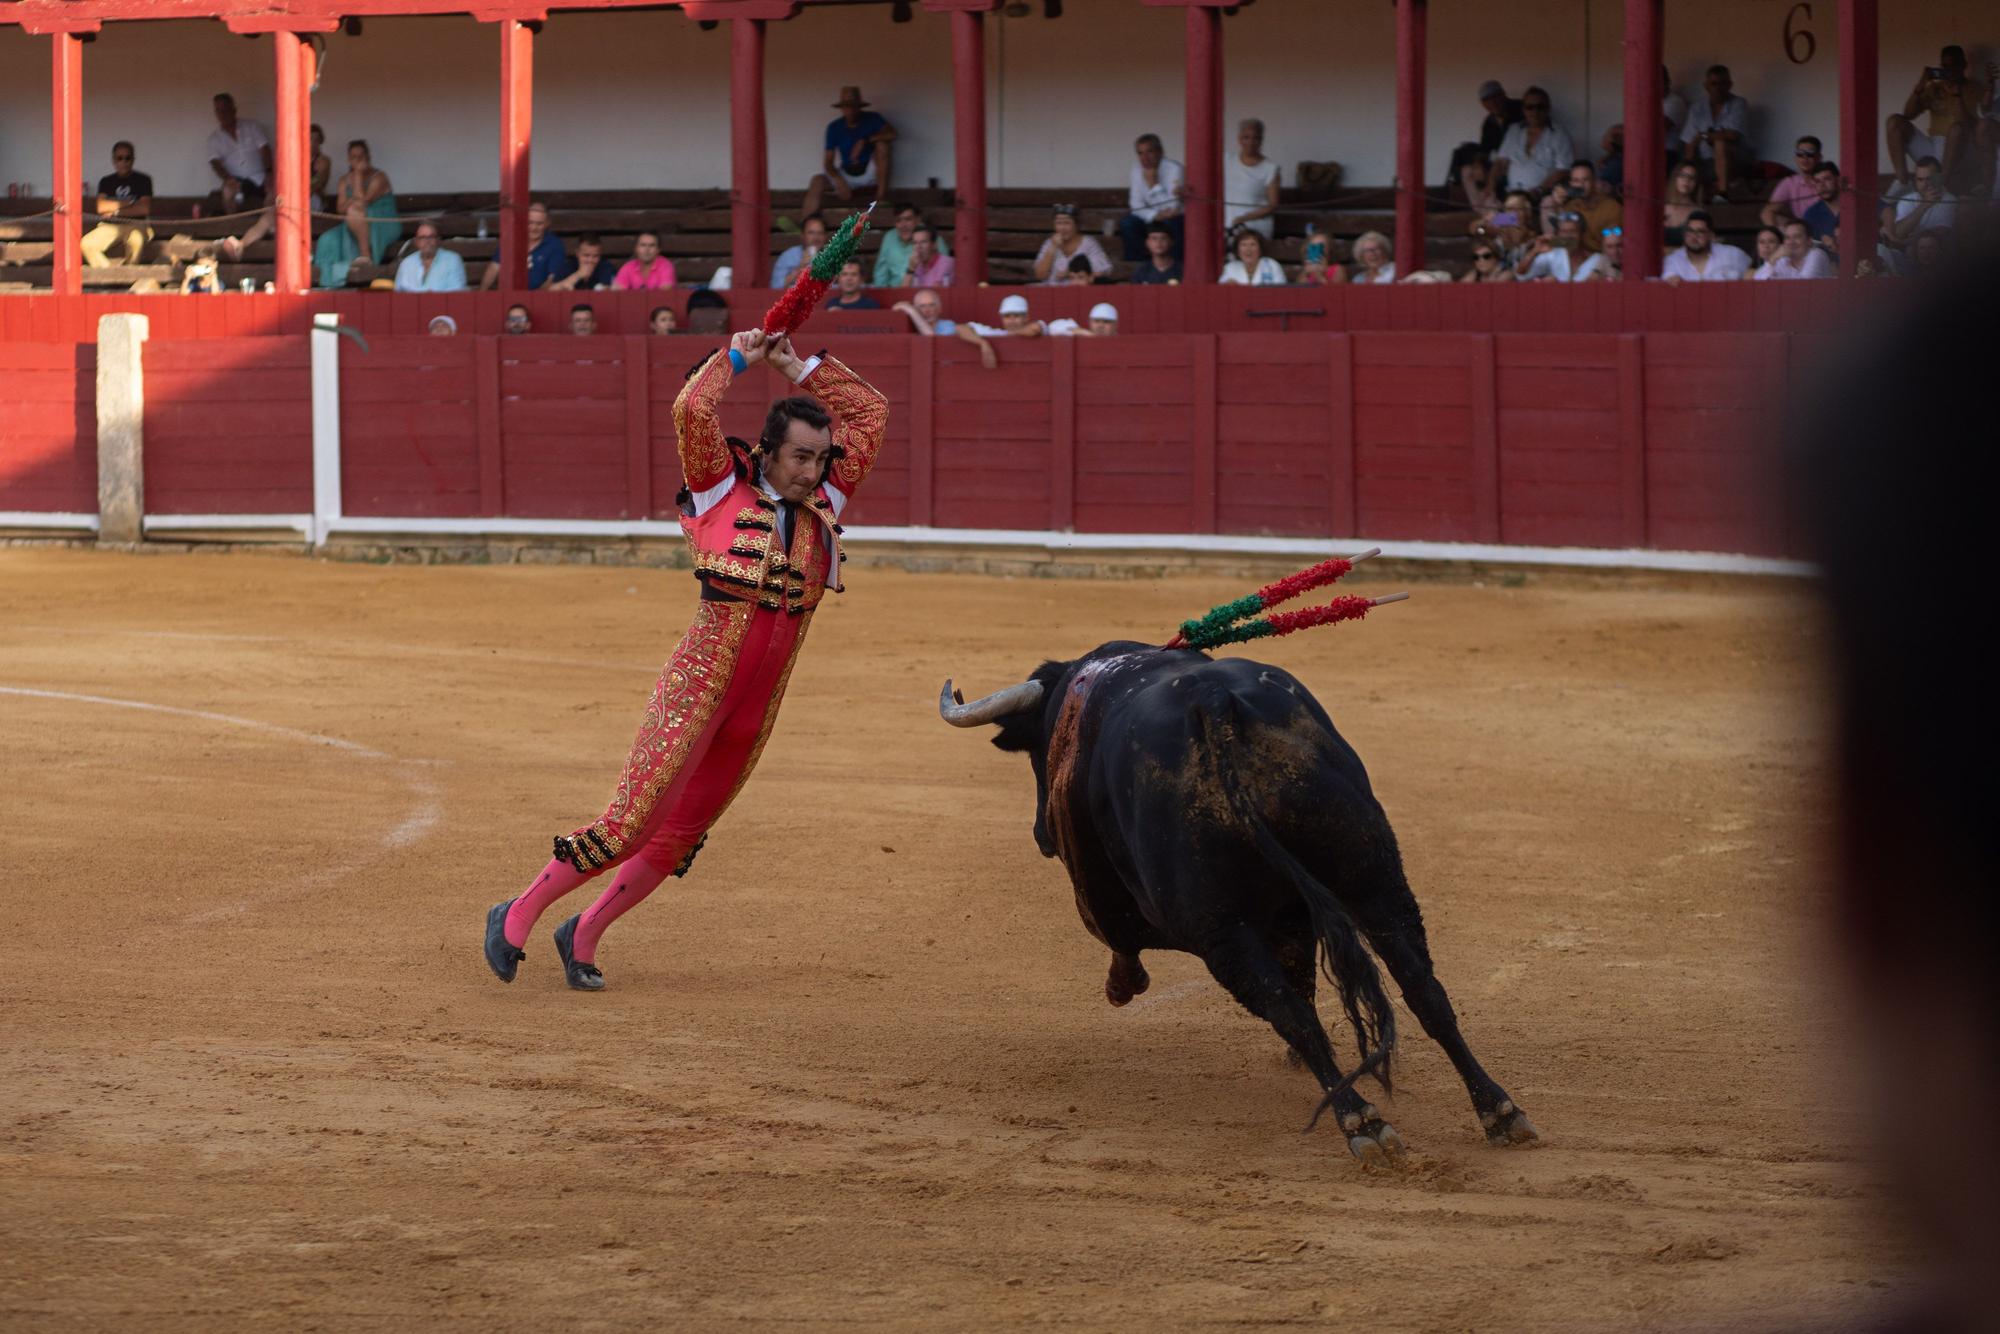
(793, 471)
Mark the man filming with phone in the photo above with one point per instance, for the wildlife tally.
(1952, 101)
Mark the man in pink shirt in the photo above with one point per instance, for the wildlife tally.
(927, 267)
(647, 270)
(1795, 194)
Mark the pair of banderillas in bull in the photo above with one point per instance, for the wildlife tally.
(1209, 805)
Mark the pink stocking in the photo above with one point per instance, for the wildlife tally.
(556, 879)
(634, 880)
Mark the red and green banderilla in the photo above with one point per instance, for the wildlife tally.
(1238, 621)
(791, 310)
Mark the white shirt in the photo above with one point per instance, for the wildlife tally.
(1942, 215)
(1526, 167)
(1558, 264)
(1145, 200)
(1268, 273)
(1245, 188)
(1387, 275)
(241, 154)
(1674, 110)
(1726, 263)
(1735, 115)
(1816, 264)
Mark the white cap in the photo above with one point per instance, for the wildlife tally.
(1104, 310)
(1014, 305)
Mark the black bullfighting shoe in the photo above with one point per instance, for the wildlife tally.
(501, 957)
(582, 976)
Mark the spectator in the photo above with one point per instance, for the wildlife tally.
(1927, 254)
(582, 320)
(430, 267)
(856, 160)
(892, 260)
(648, 270)
(1015, 322)
(1823, 216)
(925, 310)
(1476, 179)
(1674, 114)
(1316, 263)
(662, 321)
(1795, 194)
(1373, 259)
(1502, 113)
(1250, 183)
(1158, 182)
(1249, 265)
(1593, 204)
(1800, 257)
(1953, 102)
(1160, 264)
(1558, 258)
(1702, 258)
(848, 294)
(443, 326)
(1926, 206)
(518, 320)
(593, 271)
(239, 152)
(322, 169)
(1103, 323)
(812, 237)
(1535, 154)
(123, 195)
(1683, 199)
(1770, 244)
(1488, 265)
(547, 260)
(1055, 262)
(368, 203)
(927, 267)
(1714, 134)
(1611, 166)
(1608, 264)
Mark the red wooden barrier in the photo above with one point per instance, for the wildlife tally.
(228, 427)
(48, 428)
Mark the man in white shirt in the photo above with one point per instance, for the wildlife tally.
(1800, 258)
(1155, 197)
(239, 152)
(1015, 322)
(1701, 258)
(1250, 184)
(1560, 258)
(1103, 324)
(1924, 207)
(1714, 134)
(430, 268)
(1536, 153)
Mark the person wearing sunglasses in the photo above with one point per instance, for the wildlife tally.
(1795, 194)
(1608, 264)
(1702, 258)
(1488, 265)
(1537, 153)
(123, 195)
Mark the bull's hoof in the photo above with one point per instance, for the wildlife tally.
(1126, 979)
(1370, 1138)
(1507, 1124)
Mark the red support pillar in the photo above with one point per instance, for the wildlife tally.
(517, 118)
(292, 166)
(1645, 139)
(968, 69)
(749, 171)
(1204, 144)
(66, 159)
(1860, 36)
(1411, 20)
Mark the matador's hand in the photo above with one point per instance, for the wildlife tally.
(751, 345)
(783, 360)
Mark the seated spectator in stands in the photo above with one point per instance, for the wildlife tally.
(1588, 200)
(1250, 183)
(1714, 137)
(443, 326)
(582, 320)
(547, 260)
(1823, 215)
(1702, 258)
(1488, 265)
(1558, 258)
(1502, 114)
(1611, 166)
(1155, 197)
(925, 310)
(1795, 194)
(1536, 153)
(122, 196)
(1953, 102)
(1477, 181)
(367, 203)
(855, 163)
(593, 271)
(847, 291)
(1673, 115)
(1316, 261)
(928, 267)
(322, 170)
(1927, 253)
(239, 153)
(1926, 206)
(648, 270)
(1249, 266)
(1683, 199)
(430, 267)
(662, 321)
(518, 320)
(1373, 259)
(892, 260)
(1159, 266)
(812, 235)
(1511, 229)
(1015, 322)
(1103, 324)
(1800, 258)
(1770, 244)
(1055, 261)
(1608, 264)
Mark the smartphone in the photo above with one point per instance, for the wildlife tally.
(1934, 72)
(1316, 253)
(1506, 219)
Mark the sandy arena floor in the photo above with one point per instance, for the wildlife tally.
(858, 1069)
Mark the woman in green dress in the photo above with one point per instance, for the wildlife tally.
(364, 200)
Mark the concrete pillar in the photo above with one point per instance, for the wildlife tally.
(121, 428)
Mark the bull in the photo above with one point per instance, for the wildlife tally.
(1209, 805)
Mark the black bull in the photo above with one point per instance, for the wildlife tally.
(1209, 806)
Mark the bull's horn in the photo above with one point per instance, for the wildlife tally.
(1014, 699)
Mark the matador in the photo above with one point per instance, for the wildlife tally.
(763, 523)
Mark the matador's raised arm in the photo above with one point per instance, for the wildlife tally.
(860, 415)
(697, 426)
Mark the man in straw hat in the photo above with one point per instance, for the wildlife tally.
(855, 165)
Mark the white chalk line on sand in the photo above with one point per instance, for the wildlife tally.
(422, 817)
(373, 646)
